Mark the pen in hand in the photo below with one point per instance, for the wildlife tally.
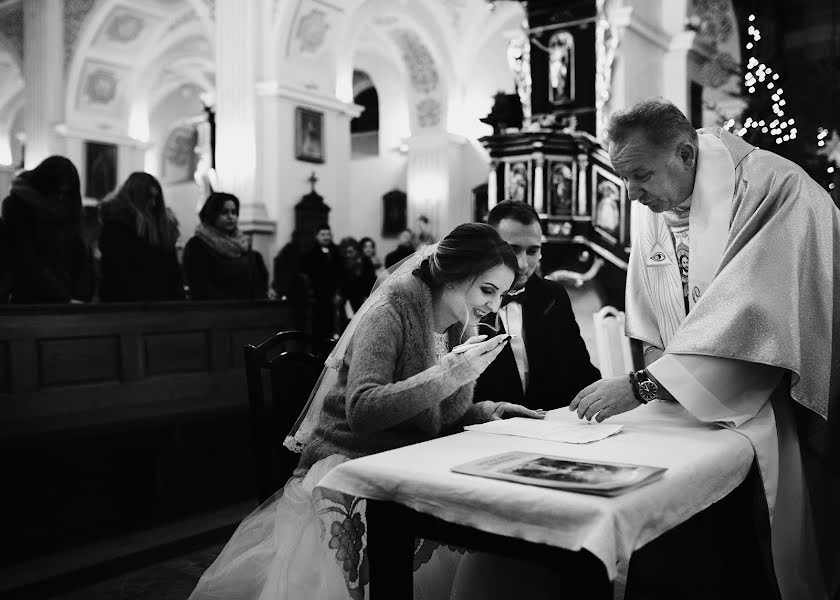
(464, 347)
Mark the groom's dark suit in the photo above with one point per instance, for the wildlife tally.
(558, 362)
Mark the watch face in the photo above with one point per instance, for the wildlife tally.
(648, 389)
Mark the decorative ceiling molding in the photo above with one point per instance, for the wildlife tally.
(428, 112)
(187, 17)
(419, 61)
(717, 26)
(124, 28)
(75, 12)
(312, 30)
(11, 26)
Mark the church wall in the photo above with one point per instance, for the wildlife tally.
(183, 197)
(373, 177)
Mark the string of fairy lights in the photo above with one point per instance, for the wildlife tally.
(782, 126)
(760, 74)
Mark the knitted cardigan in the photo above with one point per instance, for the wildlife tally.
(391, 391)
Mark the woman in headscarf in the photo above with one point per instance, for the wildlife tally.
(47, 257)
(137, 244)
(218, 261)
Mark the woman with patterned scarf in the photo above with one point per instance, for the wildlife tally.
(218, 261)
(137, 244)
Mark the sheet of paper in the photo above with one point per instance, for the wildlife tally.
(577, 432)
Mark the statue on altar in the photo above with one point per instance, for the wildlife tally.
(561, 48)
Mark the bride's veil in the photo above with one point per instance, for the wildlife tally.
(303, 428)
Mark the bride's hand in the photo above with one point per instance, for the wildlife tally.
(506, 410)
(481, 354)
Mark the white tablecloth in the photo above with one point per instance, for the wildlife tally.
(704, 463)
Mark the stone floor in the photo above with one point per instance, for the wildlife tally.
(172, 579)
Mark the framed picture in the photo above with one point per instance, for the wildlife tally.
(518, 180)
(609, 210)
(309, 135)
(394, 209)
(100, 169)
(562, 186)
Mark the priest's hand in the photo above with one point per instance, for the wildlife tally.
(605, 398)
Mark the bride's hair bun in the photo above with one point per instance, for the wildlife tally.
(471, 249)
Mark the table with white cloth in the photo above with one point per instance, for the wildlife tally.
(704, 463)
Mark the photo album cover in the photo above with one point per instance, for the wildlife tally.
(588, 477)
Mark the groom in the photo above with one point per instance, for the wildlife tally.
(546, 364)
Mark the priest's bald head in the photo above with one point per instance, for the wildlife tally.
(653, 148)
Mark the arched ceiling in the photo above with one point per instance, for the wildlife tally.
(130, 54)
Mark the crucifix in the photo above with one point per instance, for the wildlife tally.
(312, 181)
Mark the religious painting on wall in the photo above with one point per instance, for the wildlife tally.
(100, 169)
(309, 135)
(394, 213)
(561, 68)
(179, 154)
(517, 176)
(561, 187)
(608, 205)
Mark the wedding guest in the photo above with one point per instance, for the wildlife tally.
(369, 250)
(404, 249)
(424, 232)
(322, 271)
(137, 244)
(391, 381)
(357, 275)
(288, 281)
(218, 261)
(48, 260)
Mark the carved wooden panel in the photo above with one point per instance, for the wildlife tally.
(78, 360)
(177, 352)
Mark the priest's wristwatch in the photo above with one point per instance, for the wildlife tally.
(644, 387)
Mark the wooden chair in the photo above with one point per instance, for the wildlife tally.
(614, 354)
(281, 372)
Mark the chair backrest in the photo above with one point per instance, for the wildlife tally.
(281, 372)
(614, 355)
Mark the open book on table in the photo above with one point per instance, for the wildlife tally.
(588, 477)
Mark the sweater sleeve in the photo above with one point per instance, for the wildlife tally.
(374, 400)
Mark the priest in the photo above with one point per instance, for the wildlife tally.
(734, 291)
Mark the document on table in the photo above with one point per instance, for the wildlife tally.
(576, 432)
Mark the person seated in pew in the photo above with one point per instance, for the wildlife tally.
(733, 287)
(546, 364)
(393, 379)
(219, 263)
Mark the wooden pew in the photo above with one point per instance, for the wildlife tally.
(72, 367)
(123, 418)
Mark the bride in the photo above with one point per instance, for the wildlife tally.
(392, 380)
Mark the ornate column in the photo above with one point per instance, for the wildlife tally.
(539, 178)
(43, 71)
(238, 39)
(493, 185)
